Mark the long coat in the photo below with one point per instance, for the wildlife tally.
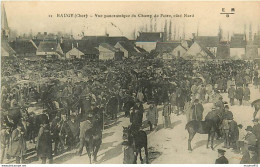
(246, 93)
(221, 160)
(173, 99)
(231, 93)
(180, 99)
(233, 131)
(18, 144)
(246, 158)
(152, 115)
(239, 93)
(188, 111)
(197, 112)
(250, 139)
(44, 144)
(136, 119)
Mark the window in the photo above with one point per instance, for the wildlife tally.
(179, 53)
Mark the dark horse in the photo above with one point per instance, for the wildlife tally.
(203, 127)
(256, 105)
(93, 137)
(138, 139)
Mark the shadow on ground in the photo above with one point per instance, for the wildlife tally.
(107, 134)
(63, 158)
(201, 143)
(153, 154)
(112, 153)
(106, 145)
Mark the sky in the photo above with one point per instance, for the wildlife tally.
(35, 16)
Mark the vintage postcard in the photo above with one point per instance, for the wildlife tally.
(117, 82)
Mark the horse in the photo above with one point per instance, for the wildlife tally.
(93, 137)
(256, 105)
(138, 139)
(217, 119)
(203, 127)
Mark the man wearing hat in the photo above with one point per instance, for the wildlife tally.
(221, 157)
(254, 157)
(166, 114)
(239, 95)
(84, 125)
(228, 115)
(250, 137)
(220, 104)
(233, 133)
(73, 131)
(54, 129)
(5, 135)
(231, 94)
(44, 142)
(225, 126)
(17, 146)
(197, 110)
(256, 131)
(250, 156)
(246, 93)
(152, 115)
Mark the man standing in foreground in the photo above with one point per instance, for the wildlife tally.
(222, 159)
(256, 131)
(85, 124)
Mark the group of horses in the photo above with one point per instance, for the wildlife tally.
(212, 126)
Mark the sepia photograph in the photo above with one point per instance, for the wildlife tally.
(127, 82)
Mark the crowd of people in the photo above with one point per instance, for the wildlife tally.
(71, 93)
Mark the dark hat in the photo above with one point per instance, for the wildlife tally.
(226, 106)
(221, 151)
(196, 100)
(249, 128)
